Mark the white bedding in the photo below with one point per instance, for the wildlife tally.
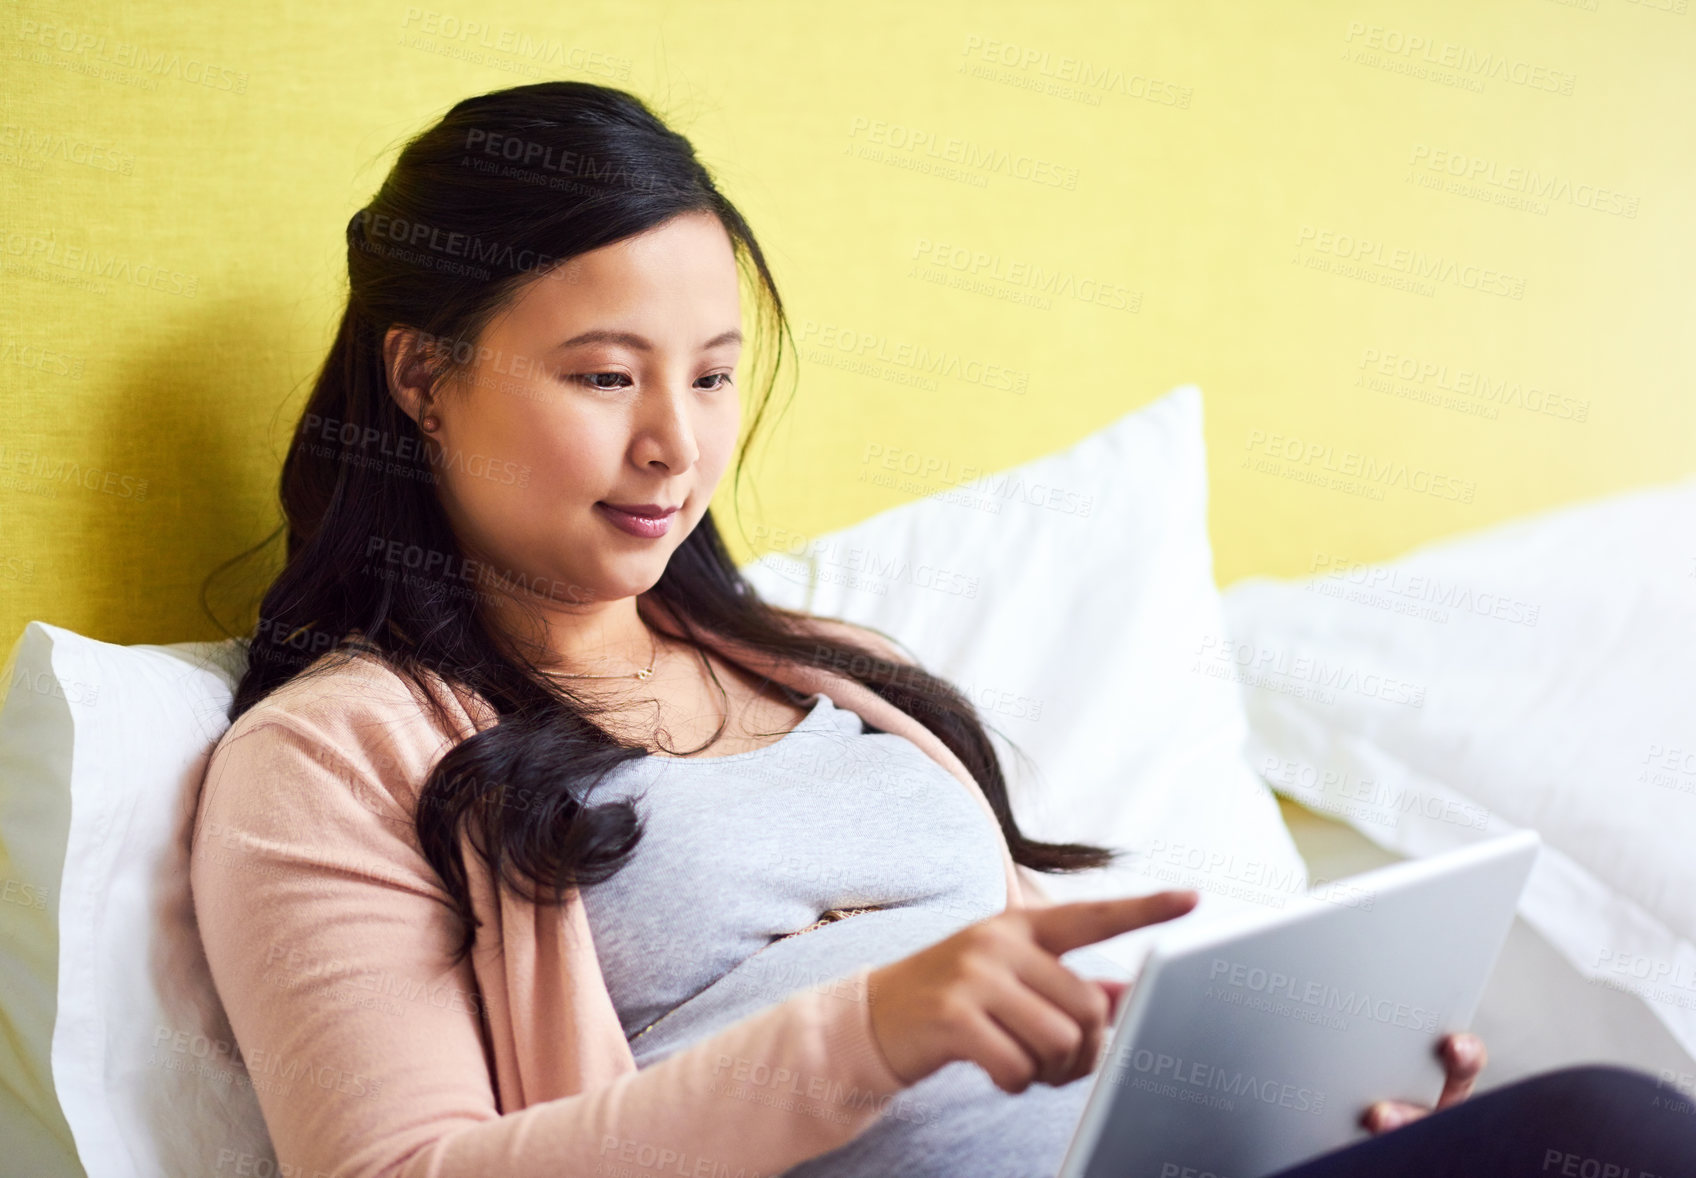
(1538, 673)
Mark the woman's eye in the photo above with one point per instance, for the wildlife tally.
(593, 380)
(590, 379)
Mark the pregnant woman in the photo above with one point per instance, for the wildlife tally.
(540, 846)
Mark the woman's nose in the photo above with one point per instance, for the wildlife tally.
(667, 426)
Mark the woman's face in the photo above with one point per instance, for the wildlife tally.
(609, 381)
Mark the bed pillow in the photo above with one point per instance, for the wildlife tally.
(35, 818)
(1072, 599)
(117, 1039)
(1532, 674)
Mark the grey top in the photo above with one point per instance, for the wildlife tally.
(743, 849)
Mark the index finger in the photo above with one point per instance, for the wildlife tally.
(1062, 927)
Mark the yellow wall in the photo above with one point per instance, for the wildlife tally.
(1207, 167)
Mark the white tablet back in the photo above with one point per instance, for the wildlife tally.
(1250, 1045)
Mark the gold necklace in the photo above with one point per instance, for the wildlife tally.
(653, 658)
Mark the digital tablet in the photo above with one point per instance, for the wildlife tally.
(1250, 1044)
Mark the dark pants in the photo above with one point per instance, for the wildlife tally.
(1595, 1121)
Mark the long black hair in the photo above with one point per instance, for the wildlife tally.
(504, 186)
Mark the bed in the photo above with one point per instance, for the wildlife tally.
(1130, 701)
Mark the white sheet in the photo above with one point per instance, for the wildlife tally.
(1537, 674)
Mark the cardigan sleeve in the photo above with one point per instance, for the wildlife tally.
(329, 939)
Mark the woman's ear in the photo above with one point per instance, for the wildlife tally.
(408, 370)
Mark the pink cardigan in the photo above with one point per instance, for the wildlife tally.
(328, 935)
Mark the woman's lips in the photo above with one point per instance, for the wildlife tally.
(636, 525)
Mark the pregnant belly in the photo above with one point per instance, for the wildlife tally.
(817, 959)
(955, 1122)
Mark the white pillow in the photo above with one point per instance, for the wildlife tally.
(1068, 598)
(1533, 674)
(113, 1016)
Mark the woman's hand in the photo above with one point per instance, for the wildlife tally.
(1463, 1057)
(997, 994)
